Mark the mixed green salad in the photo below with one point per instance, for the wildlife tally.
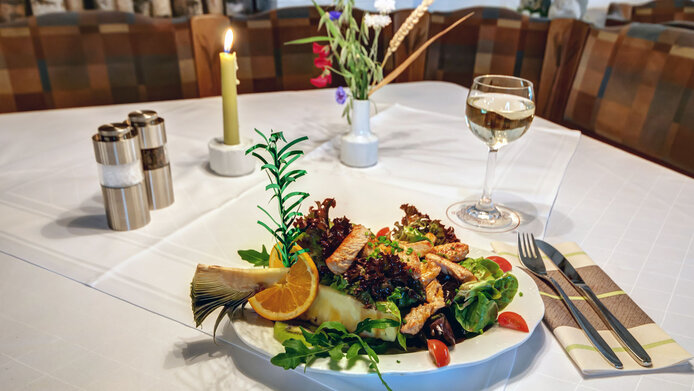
(380, 303)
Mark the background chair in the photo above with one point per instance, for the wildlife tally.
(652, 12)
(493, 40)
(633, 87)
(94, 58)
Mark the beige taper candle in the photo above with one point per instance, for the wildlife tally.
(230, 110)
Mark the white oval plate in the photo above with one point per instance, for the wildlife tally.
(257, 333)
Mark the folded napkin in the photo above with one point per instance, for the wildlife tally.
(664, 351)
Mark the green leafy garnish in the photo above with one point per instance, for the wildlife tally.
(477, 312)
(507, 286)
(331, 339)
(257, 258)
(276, 164)
(477, 303)
(390, 306)
(401, 298)
(415, 225)
(339, 283)
(284, 331)
(484, 269)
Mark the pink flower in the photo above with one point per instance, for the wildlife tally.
(322, 80)
(321, 51)
(322, 62)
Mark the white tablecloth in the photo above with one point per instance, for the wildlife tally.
(52, 215)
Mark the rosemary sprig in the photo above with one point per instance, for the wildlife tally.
(276, 164)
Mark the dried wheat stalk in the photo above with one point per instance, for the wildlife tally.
(406, 27)
(401, 68)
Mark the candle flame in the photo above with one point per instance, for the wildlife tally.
(228, 40)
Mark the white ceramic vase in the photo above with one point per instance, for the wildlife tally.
(359, 148)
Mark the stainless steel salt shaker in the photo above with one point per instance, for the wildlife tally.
(117, 152)
(155, 158)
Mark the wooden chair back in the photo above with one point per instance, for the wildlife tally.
(93, 58)
(633, 88)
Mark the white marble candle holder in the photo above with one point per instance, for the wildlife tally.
(231, 160)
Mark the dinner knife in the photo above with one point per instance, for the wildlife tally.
(633, 347)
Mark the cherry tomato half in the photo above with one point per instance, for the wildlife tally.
(512, 320)
(502, 262)
(383, 232)
(439, 352)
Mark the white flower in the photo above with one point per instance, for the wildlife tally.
(385, 6)
(376, 21)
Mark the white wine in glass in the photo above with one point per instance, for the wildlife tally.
(499, 110)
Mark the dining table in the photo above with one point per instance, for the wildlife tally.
(85, 307)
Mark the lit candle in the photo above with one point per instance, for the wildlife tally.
(229, 107)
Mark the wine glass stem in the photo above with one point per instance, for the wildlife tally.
(485, 203)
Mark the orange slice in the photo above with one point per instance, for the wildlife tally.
(275, 260)
(292, 295)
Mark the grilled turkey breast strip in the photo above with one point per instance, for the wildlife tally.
(455, 252)
(451, 268)
(415, 319)
(341, 259)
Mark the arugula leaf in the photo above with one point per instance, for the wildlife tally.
(353, 350)
(295, 353)
(261, 258)
(330, 340)
(402, 341)
(391, 307)
(370, 324)
(336, 352)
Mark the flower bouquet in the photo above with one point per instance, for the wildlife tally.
(351, 51)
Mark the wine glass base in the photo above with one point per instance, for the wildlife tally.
(466, 215)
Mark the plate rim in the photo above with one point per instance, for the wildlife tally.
(411, 371)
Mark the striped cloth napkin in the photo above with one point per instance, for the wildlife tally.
(664, 351)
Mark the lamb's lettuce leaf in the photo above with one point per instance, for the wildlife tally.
(484, 269)
(477, 303)
(477, 313)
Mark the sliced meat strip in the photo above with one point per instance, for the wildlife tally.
(429, 271)
(342, 258)
(455, 252)
(420, 248)
(412, 260)
(370, 246)
(415, 319)
(451, 268)
(434, 292)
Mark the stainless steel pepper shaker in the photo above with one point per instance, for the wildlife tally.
(155, 158)
(117, 152)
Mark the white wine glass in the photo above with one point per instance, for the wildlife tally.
(499, 110)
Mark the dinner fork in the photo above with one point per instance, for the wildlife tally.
(530, 256)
